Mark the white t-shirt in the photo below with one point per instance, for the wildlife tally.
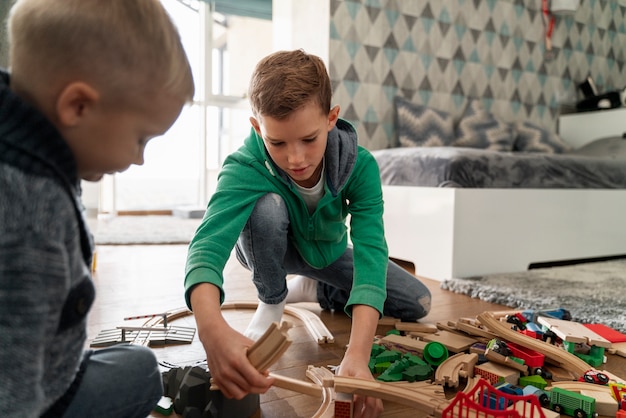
(313, 194)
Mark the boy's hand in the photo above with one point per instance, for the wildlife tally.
(229, 365)
(355, 362)
(226, 349)
(364, 406)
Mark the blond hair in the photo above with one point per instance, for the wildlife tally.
(287, 80)
(124, 47)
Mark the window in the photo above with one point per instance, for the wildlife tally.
(181, 166)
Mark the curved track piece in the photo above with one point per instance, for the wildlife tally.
(311, 321)
(460, 364)
(471, 383)
(322, 377)
(268, 349)
(409, 397)
(579, 386)
(567, 360)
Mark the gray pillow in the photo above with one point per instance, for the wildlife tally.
(480, 129)
(421, 126)
(612, 147)
(534, 138)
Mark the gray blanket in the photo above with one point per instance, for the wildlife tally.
(478, 168)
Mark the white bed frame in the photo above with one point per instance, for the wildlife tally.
(449, 232)
(456, 232)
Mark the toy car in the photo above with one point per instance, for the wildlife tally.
(594, 376)
(499, 346)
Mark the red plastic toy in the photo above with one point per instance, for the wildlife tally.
(531, 358)
(490, 402)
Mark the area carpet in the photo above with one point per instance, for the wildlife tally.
(153, 229)
(592, 292)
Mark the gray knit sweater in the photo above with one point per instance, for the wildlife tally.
(45, 257)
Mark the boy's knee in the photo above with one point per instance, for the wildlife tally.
(145, 364)
(425, 303)
(415, 310)
(270, 205)
(142, 362)
(270, 212)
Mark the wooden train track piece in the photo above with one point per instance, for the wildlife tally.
(415, 327)
(449, 326)
(474, 330)
(574, 332)
(162, 315)
(505, 313)
(403, 344)
(506, 361)
(458, 365)
(576, 386)
(314, 325)
(296, 385)
(324, 378)
(559, 373)
(561, 357)
(270, 347)
(606, 405)
(387, 321)
(471, 383)
(165, 318)
(619, 349)
(423, 401)
(454, 342)
(422, 386)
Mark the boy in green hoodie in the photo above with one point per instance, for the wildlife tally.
(282, 201)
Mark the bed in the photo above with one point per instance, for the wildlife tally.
(457, 211)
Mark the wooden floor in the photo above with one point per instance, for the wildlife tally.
(148, 279)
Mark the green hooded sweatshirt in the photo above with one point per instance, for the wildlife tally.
(352, 189)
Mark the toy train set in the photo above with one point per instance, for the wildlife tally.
(522, 364)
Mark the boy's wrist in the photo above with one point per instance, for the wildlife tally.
(205, 302)
(364, 324)
(359, 354)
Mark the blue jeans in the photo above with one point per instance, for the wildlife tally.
(265, 249)
(120, 381)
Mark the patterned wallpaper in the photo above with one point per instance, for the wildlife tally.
(441, 52)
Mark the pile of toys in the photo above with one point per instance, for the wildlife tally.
(543, 358)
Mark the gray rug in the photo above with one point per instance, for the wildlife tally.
(153, 229)
(592, 292)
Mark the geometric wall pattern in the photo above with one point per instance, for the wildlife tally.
(442, 53)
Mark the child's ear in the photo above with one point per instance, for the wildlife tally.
(74, 101)
(333, 116)
(255, 125)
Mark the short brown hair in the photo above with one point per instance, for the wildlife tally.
(127, 48)
(287, 80)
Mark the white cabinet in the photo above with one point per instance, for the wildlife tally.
(578, 129)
